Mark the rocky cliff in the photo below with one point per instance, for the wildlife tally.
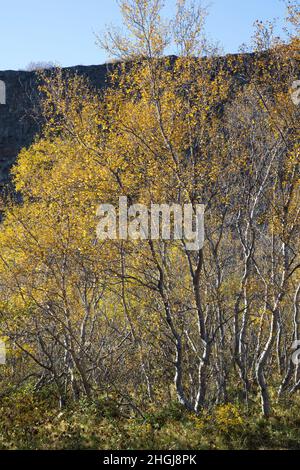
(19, 121)
(19, 117)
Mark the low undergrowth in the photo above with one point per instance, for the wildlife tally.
(31, 421)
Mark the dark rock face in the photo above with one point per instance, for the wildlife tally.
(17, 128)
(19, 121)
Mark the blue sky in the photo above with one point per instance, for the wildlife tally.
(62, 30)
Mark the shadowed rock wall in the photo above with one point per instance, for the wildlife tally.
(19, 121)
